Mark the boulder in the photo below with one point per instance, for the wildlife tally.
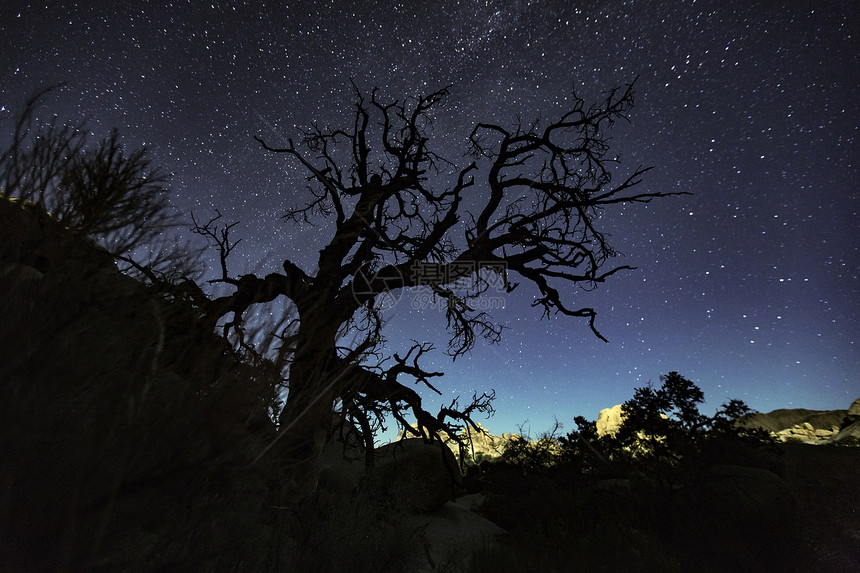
(806, 433)
(416, 476)
(854, 410)
(452, 535)
(737, 507)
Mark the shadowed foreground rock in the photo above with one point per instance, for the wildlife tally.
(732, 509)
(121, 423)
(408, 474)
(416, 476)
(452, 534)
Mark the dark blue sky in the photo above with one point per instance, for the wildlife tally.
(748, 287)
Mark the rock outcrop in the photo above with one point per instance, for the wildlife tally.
(452, 534)
(850, 429)
(798, 424)
(609, 420)
(118, 413)
(407, 474)
(475, 445)
(481, 443)
(416, 476)
(854, 409)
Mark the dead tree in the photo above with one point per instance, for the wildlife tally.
(400, 220)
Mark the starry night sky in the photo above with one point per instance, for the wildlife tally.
(748, 287)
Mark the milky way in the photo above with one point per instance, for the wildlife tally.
(748, 286)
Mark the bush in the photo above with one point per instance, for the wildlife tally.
(533, 455)
(663, 427)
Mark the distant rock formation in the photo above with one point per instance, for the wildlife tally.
(795, 425)
(475, 443)
(609, 420)
(851, 425)
(850, 431)
(799, 424)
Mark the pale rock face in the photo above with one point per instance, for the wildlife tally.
(475, 443)
(852, 429)
(609, 420)
(806, 432)
(478, 443)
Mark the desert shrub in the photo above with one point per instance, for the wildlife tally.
(533, 455)
(103, 191)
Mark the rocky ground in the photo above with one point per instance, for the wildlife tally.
(825, 480)
(794, 509)
(737, 519)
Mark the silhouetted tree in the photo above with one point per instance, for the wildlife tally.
(584, 450)
(401, 216)
(665, 423)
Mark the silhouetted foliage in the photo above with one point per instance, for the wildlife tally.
(532, 455)
(664, 426)
(665, 423)
(671, 490)
(583, 450)
(102, 191)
